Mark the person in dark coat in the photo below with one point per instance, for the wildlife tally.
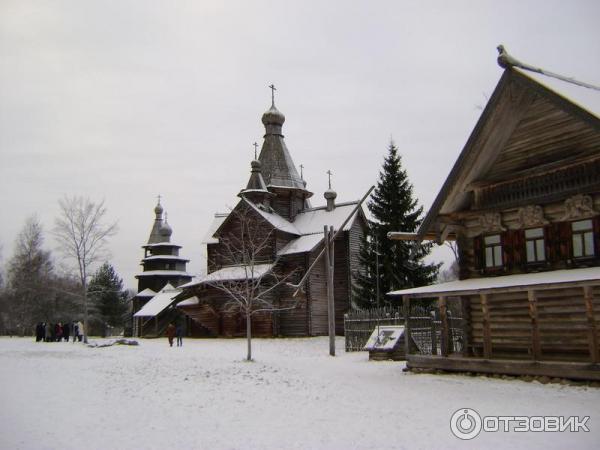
(179, 334)
(66, 331)
(170, 332)
(39, 332)
(58, 332)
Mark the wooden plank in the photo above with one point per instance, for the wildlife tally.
(487, 340)
(444, 332)
(588, 296)
(536, 351)
(572, 370)
(407, 338)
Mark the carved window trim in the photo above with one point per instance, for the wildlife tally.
(532, 216)
(578, 207)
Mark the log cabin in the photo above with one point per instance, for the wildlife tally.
(522, 203)
(274, 216)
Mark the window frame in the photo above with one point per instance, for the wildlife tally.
(580, 235)
(535, 240)
(497, 250)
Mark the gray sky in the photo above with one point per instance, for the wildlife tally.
(122, 100)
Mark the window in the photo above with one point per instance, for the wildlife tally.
(493, 251)
(583, 238)
(534, 244)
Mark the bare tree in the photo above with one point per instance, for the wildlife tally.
(82, 236)
(252, 278)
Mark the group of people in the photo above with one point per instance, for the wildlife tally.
(173, 331)
(48, 332)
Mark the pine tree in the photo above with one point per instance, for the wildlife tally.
(109, 298)
(401, 265)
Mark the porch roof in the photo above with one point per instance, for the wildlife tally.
(521, 282)
(159, 302)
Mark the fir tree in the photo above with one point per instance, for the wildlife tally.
(401, 265)
(109, 298)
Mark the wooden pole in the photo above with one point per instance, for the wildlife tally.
(588, 295)
(536, 349)
(487, 335)
(330, 297)
(444, 334)
(406, 312)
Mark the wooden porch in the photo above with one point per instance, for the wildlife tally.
(543, 324)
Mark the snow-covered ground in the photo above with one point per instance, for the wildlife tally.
(293, 396)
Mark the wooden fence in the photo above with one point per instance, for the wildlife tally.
(424, 322)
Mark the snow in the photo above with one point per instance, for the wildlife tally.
(163, 257)
(313, 220)
(218, 220)
(233, 273)
(384, 337)
(275, 219)
(293, 396)
(159, 302)
(189, 301)
(146, 293)
(174, 273)
(554, 277)
(161, 244)
(301, 244)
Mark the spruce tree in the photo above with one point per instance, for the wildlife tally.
(109, 298)
(401, 265)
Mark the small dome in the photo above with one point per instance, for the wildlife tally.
(330, 194)
(273, 116)
(255, 164)
(158, 210)
(165, 229)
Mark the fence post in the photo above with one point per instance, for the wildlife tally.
(444, 335)
(406, 308)
(433, 334)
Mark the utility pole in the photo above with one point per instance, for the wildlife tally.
(377, 270)
(329, 261)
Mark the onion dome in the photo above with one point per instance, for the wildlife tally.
(330, 195)
(165, 229)
(158, 210)
(273, 117)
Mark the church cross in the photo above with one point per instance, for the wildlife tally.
(329, 174)
(273, 89)
(255, 149)
(158, 197)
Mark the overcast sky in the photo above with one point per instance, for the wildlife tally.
(122, 100)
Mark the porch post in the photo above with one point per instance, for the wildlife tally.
(588, 295)
(444, 334)
(536, 349)
(487, 335)
(406, 311)
(466, 314)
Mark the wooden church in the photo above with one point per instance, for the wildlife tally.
(523, 204)
(163, 270)
(274, 213)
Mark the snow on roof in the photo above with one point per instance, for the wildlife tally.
(159, 302)
(554, 278)
(171, 257)
(302, 244)
(276, 220)
(174, 273)
(146, 293)
(161, 244)
(189, 301)
(218, 219)
(233, 273)
(313, 220)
